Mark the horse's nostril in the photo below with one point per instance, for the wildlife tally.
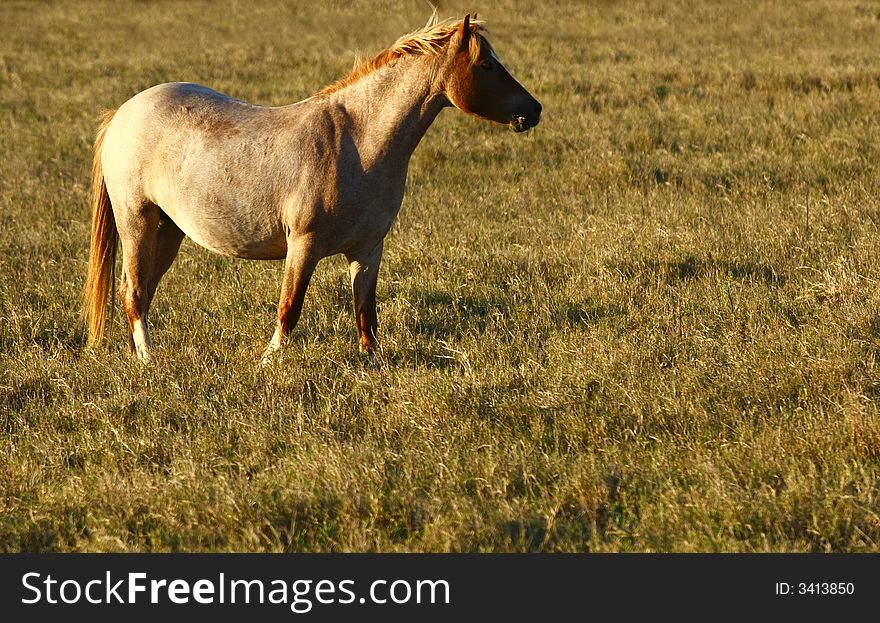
(538, 108)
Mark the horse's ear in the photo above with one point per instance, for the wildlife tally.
(465, 33)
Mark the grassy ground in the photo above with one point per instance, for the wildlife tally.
(651, 324)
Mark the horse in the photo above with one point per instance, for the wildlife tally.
(301, 182)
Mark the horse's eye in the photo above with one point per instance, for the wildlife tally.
(487, 64)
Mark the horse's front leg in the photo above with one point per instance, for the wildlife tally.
(298, 268)
(364, 269)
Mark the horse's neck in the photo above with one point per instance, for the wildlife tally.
(392, 108)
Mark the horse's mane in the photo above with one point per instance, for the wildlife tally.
(428, 40)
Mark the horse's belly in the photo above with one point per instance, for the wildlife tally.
(233, 235)
(264, 249)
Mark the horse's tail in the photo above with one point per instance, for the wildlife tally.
(102, 256)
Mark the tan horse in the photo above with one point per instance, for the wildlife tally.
(298, 182)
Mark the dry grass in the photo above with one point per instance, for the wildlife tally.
(651, 324)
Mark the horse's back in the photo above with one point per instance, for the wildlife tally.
(174, 108)
(189, 106)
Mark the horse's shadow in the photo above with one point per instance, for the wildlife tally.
(443, 316)
(692, 267)
(444, 319)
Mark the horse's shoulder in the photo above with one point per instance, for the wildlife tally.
(329, 114)
(323, 121)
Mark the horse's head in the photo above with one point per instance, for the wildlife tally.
(478, 83)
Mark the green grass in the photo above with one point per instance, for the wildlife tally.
(653, 323)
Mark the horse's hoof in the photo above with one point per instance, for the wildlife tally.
(144, 356)
(374, 363)
(268, 357)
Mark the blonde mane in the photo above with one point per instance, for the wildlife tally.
(428, 40)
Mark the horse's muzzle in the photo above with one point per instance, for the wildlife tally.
(521, 123)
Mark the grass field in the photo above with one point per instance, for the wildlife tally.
(651, 324)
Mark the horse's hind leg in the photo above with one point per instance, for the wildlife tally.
(149, 245)
(168, 240)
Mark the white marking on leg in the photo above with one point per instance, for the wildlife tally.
(273, 347)
(143, 343)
